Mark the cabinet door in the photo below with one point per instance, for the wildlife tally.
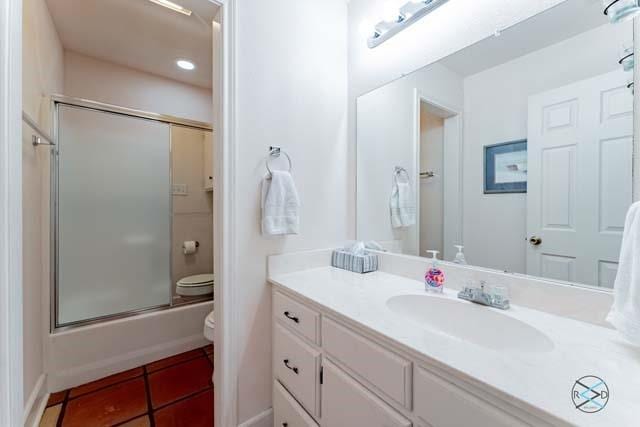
(347, 403)
(208, 160)
(442, 404)
(383, 369)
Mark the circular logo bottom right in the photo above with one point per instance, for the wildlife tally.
(590, 394)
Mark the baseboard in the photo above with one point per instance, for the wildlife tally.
(35, 405)
(102, 368)
(263, 419)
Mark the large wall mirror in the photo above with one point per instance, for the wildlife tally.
(519, 148)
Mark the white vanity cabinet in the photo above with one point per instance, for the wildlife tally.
(331, 374)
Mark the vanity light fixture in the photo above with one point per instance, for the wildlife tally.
(407, 15)
(621, 10)
(185, 65)
(173, 6)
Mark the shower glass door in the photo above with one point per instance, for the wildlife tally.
(113, 237)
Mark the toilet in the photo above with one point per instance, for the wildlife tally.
(197, 285)
(208, 327)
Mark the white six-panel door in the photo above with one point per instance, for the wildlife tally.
(580, 146)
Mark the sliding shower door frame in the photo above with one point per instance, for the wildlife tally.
(60, 100)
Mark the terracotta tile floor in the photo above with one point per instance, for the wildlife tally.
(175, 391)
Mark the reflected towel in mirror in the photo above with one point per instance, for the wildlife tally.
(403, 201)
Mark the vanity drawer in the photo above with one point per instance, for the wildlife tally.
(286, 411)
(442, 404)
(297, 317)
(347, 403)
(385, 370)
(297, 366)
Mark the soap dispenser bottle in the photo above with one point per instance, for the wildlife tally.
(460, 259)
(434, 278)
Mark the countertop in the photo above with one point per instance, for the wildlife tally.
(540, 383)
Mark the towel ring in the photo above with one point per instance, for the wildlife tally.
(399, 170)
(274, 153)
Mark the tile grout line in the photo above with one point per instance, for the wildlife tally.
(131, 378)
(64, 408)
(183, 398)
(172, 365)
(103, 387)
(147, 391)
(128, 420)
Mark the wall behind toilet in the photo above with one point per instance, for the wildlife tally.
(193, 209)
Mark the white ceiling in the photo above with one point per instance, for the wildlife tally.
(559, 23)
(140, 34)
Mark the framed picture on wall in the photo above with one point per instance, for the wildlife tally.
(505, 167)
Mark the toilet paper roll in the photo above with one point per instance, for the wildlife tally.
(189, 247)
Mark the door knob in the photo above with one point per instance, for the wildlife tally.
(535, 241)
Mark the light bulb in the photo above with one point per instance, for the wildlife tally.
(185, 65)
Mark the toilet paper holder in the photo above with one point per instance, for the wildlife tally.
(197, 244)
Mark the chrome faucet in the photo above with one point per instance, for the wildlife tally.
(479, 296)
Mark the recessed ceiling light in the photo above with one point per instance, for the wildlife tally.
(185, 65)
(171, 5)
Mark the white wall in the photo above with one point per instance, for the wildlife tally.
(425, 42)
(292, 92)
(42, 65)
(496, 108)
(387, 137)
(97, 80)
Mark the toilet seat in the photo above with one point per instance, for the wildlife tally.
(199, 284)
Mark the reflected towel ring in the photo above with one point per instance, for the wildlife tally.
(274, 153)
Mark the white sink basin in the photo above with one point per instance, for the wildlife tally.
(470, 322)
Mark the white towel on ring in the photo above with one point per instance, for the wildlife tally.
(625, 312)
(280, 205)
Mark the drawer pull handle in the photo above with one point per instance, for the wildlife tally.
(293, 368)
(292, 317)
